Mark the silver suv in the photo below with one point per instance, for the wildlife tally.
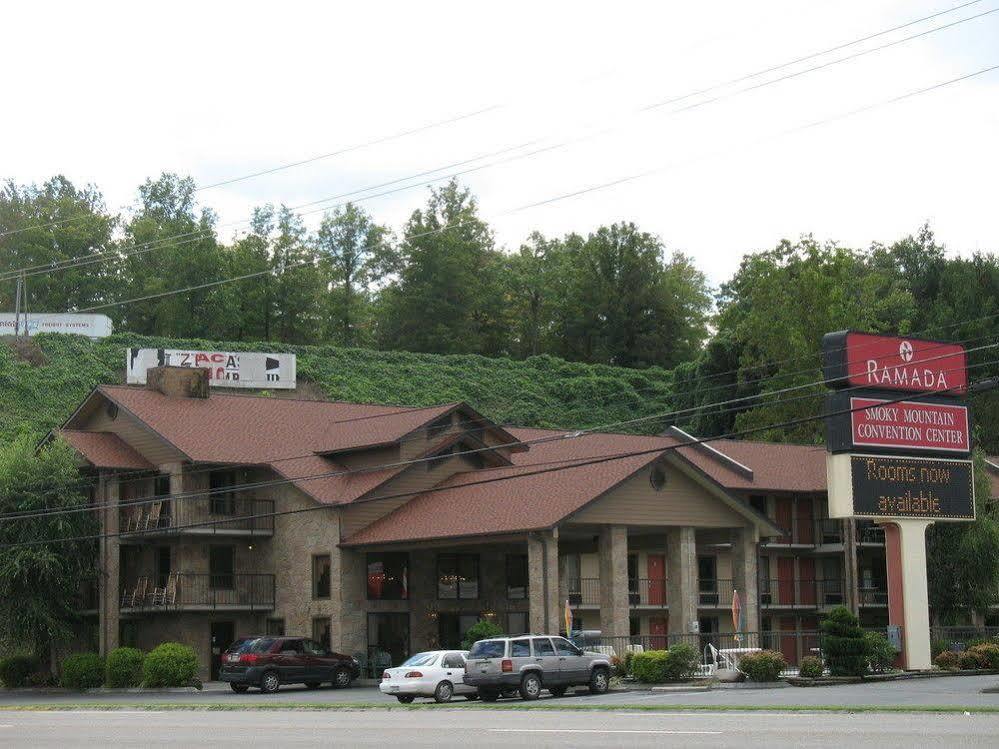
(530, 663)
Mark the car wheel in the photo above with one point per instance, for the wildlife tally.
(530, 687)
(599, 681)
(341, 678)
(270, 682)
(240, 688)
(557, 691)
(487, 696)
(405, 699)
(444, 692)
(312, 684)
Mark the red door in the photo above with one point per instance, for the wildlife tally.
(806, 581)
(789, 642)
(782, 510)
(785, 581)
(658, 630)
(656, 593)
(806, 522)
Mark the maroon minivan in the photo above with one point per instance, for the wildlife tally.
(268, 662)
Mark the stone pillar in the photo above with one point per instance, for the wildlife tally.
(745, 575)
(681, 574)
(349, 629)
(614, 581)
(109, 565)
(545, 611)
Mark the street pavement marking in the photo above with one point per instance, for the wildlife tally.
(604, 730)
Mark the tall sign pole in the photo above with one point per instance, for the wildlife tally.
(905, 464)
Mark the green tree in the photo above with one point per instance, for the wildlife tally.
(50, 224)
(536, 278)
(355, 253)
(448, 297)
(297, 282)
(252, 298)
(39, 583)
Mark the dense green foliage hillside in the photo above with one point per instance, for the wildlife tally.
(539, 391)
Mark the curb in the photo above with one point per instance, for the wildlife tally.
(833, 681)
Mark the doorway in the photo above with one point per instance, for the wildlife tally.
(222, 635)
(388, 639)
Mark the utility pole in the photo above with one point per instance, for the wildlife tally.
(18, 293)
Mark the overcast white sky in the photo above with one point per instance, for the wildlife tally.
(113, 93)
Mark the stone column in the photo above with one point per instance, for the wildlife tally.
(349, 629)
(109, 567)
(545, 612)
(745, 575)
(681, 574)
(614, 581)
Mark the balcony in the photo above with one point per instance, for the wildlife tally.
(184, 591)
(583, 591)
(824, 532)
(870, 534)
(714, 594)
(203, 516)
(647, 592)
(807, 594)
(873, 595)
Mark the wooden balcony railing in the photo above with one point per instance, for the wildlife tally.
(232, 516)
(195, 592)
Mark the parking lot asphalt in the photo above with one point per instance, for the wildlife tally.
(947, 691)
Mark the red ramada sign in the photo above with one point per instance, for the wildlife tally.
(894, 363)
(910, 424)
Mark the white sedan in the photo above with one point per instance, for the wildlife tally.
(437, 673)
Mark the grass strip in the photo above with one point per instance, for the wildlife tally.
(361, 706)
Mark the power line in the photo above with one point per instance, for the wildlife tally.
(98, 257)
(565, 464)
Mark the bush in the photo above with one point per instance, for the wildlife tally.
(123, 668)
(811, 667)
(649, 667)
(682, 662)
(937, 647)
(482, 630)
(968, 660)
(82, 671)
(987, 654)
(948, 660)
(628, 657)
(15, 669)
(880, 653)
(763, 666)
(41, 679)
(844, 644)
(170, 665)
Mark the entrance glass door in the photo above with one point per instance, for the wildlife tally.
(388, 640)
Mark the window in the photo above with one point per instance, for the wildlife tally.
(458, 576)
(516, 576)
(520, 648)
(543, 646)
(223, 496)
(294, 647)
(453, 660)
(275, 627)
(564, 647)
(516, 622)
(388, 576)
(320, 575)
(316, 648)
(487, 649)
(321, 632)
(420, 659)
(658, 478)
(221, 567)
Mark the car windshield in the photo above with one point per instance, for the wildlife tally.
(421, 659)
(261, 645)
(487, 649)
(243, 645)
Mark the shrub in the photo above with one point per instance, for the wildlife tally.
(617, 667)
(948, 660)
(987, 654)
(82, 671)
(968, 660)
(811, 667)
(937, 647)
(881, 654)
(765, 665)
(682, 662)
(628, 657)
(15, 669)
(41, 679)
(649, 667)
(482, 630)
(123, 668)
(170, 665)
(843, 643)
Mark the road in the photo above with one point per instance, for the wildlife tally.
(455, 727)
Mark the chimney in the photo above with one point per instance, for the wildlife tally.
(178, 382)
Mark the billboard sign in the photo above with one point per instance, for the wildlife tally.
(883, 486)
(231, 369)
(893, 363)
(92, 326)
(860, 421)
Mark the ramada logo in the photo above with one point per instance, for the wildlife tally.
(905, 351)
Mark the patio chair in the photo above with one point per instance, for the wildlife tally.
(153, 517)
(167, 595)
(607, 650)
(138, 594)
(133, 520)
(634, 648)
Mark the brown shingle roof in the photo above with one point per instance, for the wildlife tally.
(776, 467)
(105, 450)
